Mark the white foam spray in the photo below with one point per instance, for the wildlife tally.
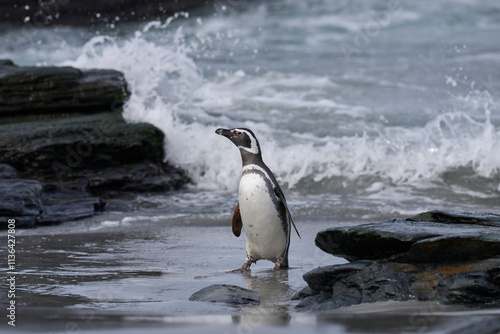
(170, 91)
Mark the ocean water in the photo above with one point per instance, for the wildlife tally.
(379, 104)
(364, 110)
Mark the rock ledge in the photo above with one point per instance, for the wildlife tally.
(446, 256)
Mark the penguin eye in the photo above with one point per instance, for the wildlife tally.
(238, 132)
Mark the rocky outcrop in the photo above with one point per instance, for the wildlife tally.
(231, 295)
(427, 237)
(451, 257)
(38, 90)
(64, 144)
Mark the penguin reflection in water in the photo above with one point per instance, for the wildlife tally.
(262, 208)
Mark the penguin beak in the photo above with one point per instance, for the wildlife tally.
(224, 132)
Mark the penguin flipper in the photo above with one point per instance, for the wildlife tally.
(237, 223)
(282, 198)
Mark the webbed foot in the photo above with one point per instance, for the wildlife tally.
(244, 268)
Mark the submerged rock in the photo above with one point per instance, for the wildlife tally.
(453, 258)
(229, 294)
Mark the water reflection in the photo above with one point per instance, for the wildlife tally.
(274, 290)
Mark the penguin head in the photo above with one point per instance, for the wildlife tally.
(243, 138)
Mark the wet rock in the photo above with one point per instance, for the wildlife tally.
(26, 89)
(338, 286)
(458, 217)
(31, 204)
(453, 258)
(66, 201)
(8, 172)
(229, 294)
(22, 200)
(61, 129)
(103, 148)
(66, 144)
(414, 239)
(139, 177)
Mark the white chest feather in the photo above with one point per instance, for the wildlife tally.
(262, 224)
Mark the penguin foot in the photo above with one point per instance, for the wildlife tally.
(245, 267)
(280, 265)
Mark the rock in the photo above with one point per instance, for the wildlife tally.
(59, 89)
(31, 204)
(8, 172)
(20, 199)
(37, 14)
(349, 284)
(229, 294)
(103, 148)
(453, 258)
(66, 201)
(458, 217)
(64, 142)
(414, 239)
(139, 177)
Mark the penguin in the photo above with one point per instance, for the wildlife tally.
(262, 209)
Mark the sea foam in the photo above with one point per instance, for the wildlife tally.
(293, 115)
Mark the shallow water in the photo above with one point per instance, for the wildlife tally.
(115, 272)
(115, 266)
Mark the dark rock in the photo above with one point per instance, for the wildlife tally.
(66, 201)
(471, 288)
(458, 217)
(354, 283)
(32, 205)
(322, 278)
(372, 281)
(20, 200)
(62, 127)
(55, 89)
(8, 172)
(453, 258)
(39, 13)
(476, 244)
(413, 240)
(140, 177)
(229, 294)
(103, 148)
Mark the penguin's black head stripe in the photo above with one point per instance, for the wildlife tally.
(243, 138)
